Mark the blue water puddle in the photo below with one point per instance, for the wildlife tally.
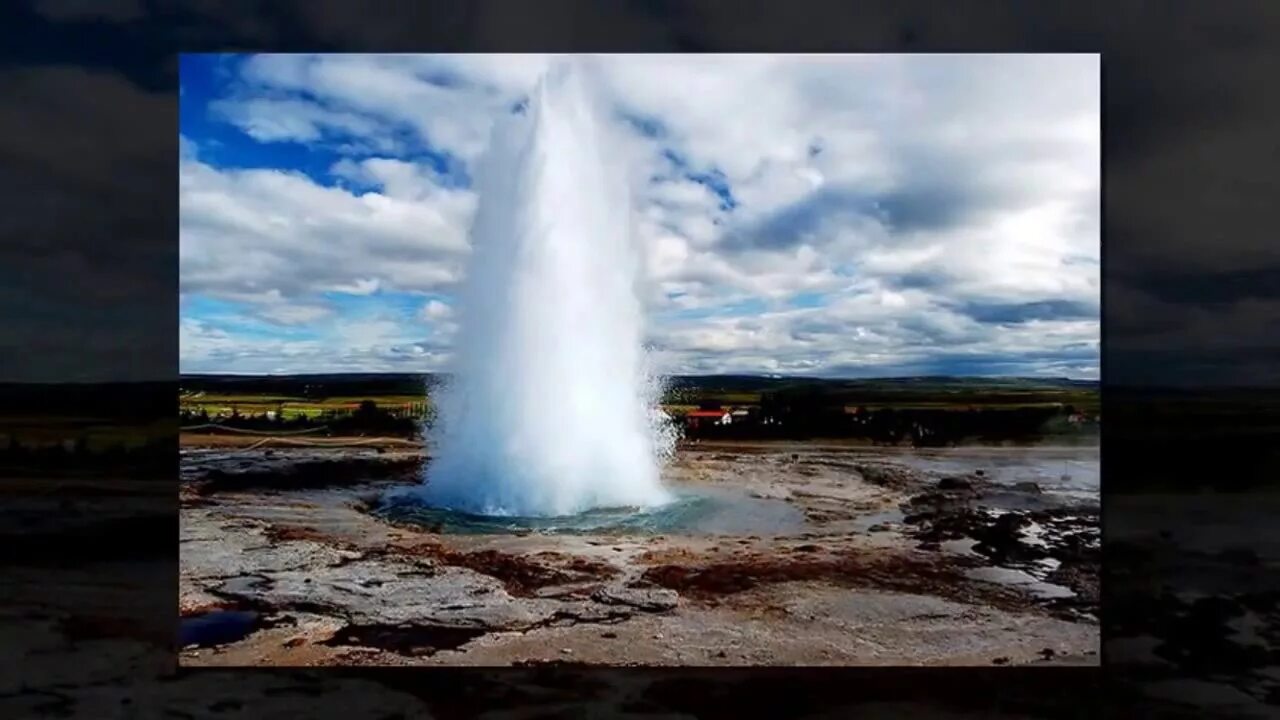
(217, 628)
(704, 512)
(1024, 578)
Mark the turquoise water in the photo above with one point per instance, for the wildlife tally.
(702, 512)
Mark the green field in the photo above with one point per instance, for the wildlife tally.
(291, 406)
(125, 415)
(311, 396)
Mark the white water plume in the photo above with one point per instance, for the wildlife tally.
(551, 409)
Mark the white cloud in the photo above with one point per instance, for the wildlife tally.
(260, 230)
(436, 310)
(398, 89)
(296, 314)
(930, 201)
(359, 286)
(371, 345)
(276, 119)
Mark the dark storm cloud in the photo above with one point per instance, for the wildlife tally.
(1189, 126)
(942, 187)
(924, 206)
(1037, 364)
(87, 235)
(816, 329)
(1191, 115)
(948, 186)
(927, 206)
(1000, 313)
(792, 224)
(1062, 363)
(1213, 288)
(918, 281)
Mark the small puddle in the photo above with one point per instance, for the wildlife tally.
(963, 546)
(406, 640)
(1018, 578)
(217, 628)
(1033, 534)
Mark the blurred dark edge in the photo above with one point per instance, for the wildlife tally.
(1191, 283)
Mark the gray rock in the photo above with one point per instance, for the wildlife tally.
(647, 599)
(211, 551)
(885, 527)
(372, 592)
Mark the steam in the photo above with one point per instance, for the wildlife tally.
(553, 405)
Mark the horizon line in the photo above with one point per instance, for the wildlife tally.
(767, 375)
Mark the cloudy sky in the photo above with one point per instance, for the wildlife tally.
(817, 215)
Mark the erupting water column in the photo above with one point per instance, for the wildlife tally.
(550, 409)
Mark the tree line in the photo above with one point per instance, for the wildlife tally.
(803, 415)
(366, 419)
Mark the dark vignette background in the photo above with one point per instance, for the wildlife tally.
(1192, 339)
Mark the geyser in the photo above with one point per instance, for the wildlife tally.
(550, 408)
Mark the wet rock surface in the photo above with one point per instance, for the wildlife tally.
(1051, 545)
(295, 547)
(210, 472)
(1208, 635)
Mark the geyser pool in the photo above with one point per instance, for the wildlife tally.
(705, 511)
(550, 409)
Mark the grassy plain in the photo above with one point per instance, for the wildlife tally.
(307, 396)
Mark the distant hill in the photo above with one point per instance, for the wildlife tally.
(691, 389)
(737, 382)
(768, 382)
(311, 385)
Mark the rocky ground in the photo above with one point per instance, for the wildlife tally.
(1192, 607)
(1190, 627)
(283, 564)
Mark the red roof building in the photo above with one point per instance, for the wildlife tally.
(708, 417)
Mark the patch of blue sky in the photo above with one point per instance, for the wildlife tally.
(647, 126)
(242, 320)
(221, 144)
(808, 300)
(442, 297)
(713, 179)
(450, 171)
(750, 306)
(379, 303)
(741, 308)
